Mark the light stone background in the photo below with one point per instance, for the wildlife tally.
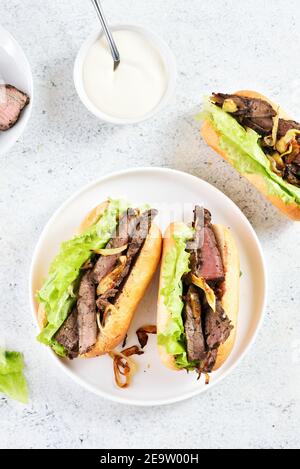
(219, 45)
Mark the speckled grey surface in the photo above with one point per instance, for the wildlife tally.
(218, 47)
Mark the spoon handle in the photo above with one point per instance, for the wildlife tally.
(114, 50)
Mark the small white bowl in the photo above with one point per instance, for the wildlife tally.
(166, 55)
(15, 70)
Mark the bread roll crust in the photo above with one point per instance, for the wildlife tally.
(163, 315)
(211, 137)
(117, 324)
(93, 217)
(230, 299)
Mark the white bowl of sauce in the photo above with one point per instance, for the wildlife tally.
(141, 86)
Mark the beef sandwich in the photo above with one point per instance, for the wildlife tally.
(198, 296)
(259, 140)
(97, 280)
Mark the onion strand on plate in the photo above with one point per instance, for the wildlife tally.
(124, 366)
(142, 334)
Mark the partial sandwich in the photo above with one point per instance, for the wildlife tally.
(198, 299)
(259, 140)
(97, 280)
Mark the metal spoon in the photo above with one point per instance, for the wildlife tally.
(113, 48)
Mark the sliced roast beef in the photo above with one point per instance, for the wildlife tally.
(259, 117)
(250, 112)
(296, 160)
(217, 327)
(121, 236)
(292, 174)
(205, 257)
(68, 334)
(285, 125)
(256, 114)
(207, 365)
(241, 104)
(295, 168)
(87, 321)
(263, 126)
(196, 349)
(141, 230)
(211, 267)
(12, 102)
(139, 233)
(246, 107)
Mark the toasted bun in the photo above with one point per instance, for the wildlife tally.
(230, 299)
(93, 217)
(163, 315)
(117, 324)
(211, 137)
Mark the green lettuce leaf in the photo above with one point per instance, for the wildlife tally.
(12, 380)
(58, 294)
(245, 153)
(175, 266)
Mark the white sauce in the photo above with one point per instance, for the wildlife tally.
(139, 82)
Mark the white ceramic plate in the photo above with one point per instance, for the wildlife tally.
(14, 70)
(168, 190)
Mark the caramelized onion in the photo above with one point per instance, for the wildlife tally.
(207, 377)
(209, 293)
(270, 140)
(275, 128)
(107, 312)
(283, 143)
(99, 321)
(279, 161)
(134, 350)
(293, 152)
(111, 252)
(109, 280)
(124, 369)
(274, 166)
(229, 106)
(142, 334)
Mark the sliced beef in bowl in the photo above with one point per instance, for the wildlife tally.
(12, 103)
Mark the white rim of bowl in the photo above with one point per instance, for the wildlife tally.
(28, 73)
(166, 55)
(125, 400)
